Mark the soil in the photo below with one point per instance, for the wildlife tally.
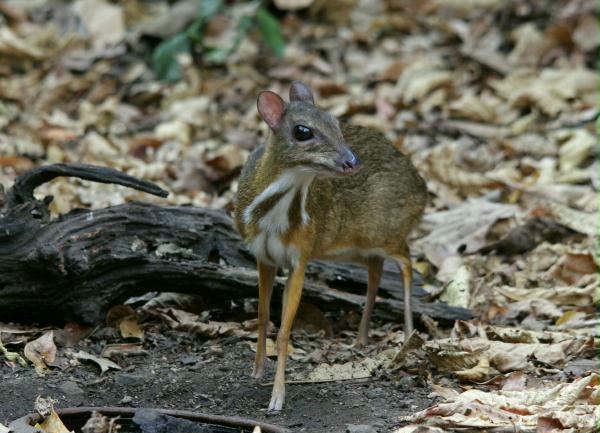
(184, 371)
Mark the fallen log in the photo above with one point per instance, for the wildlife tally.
(76, 266)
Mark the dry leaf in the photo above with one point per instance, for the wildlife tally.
(411, 344)
(41, 352)
(122, 349)
(450, 355)
(470, 5)
(11, 45)
(461, 229)
(271, 348)
(458, 291)
(515, 381)
(182, 320)
(582, 222)
(130, 328)
(176, 130)
(475, 408)
(549, 91)
(44, 406)
(350, 370)
(575, 296)
(586, 34)
(97, 423)
(575, 148)
(569, 315)
(573, 266)
(12, 333)
(103, 363)
(310, 319)
(530, 45)
(227, 158)
(103, 21)
(11, 356)
(292, 5)
(125, 318)
(443, 391)
(420, 77)
(474, 107)
(53, 424)
(477, 373)
(441, 164)
(520, 335)
(412, 428)
(71, 334)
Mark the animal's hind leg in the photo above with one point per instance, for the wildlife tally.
(402, 258)
(375, 267)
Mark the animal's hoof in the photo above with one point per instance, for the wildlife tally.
(259, 369)
(360, 342)
(258, 373)
(276, 403)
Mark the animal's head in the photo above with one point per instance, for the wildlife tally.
(305, 136)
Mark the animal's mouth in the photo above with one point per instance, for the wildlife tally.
(348, 164)
(345, 164)
(325, 170)
(348, 169)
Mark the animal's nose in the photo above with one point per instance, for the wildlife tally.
(351, 163)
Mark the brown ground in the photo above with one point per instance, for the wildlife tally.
(184, 371)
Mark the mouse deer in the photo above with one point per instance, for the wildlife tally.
(321, 189)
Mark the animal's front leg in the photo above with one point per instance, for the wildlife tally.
(290, 307)
(266, 278)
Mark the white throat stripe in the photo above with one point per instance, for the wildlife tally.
(276, 219)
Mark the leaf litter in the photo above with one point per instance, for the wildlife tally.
(495, 102)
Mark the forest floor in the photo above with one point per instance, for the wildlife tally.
(182, 371)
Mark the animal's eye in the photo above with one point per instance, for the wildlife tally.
(302, 133)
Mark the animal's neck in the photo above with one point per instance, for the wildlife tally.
(281, 203)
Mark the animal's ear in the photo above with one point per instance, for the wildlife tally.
(300, 92)
(271, 108)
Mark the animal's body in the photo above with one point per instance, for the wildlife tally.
(321, 190)
(368, 214)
